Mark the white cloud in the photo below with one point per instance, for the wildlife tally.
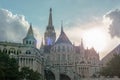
(13, 28)
(76, 32)
(114, 27)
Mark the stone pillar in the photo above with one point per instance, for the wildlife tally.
(57, 75)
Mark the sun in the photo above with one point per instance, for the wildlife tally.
(95, 38)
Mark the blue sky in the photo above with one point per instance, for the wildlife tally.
(36, 11)
(79, 17)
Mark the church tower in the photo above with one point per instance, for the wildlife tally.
(30, 40)
(50, 35)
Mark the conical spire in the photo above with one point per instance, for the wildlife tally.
(50, 18)
(81, 42)
(62, 26)
(30, 39)
(30, 31)
(50, 34)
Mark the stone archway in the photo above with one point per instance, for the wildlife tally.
(49, 75)
(64, 77)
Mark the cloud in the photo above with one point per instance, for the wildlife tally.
(77, 31)
(13, 28)
(114, 26)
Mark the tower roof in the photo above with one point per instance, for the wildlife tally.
(63, 38)
(50, 18)
(30, 31)
(50, 26)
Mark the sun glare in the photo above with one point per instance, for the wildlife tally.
(95, 38)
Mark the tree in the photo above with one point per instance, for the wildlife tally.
(8, 68)
(29, 74)
(112, 68)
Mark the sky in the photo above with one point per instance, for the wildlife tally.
(95, 21)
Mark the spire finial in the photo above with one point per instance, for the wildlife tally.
(50, 18)
(50, 9)
(62, 26)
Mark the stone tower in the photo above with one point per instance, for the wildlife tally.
(30, 40)
(50, 35)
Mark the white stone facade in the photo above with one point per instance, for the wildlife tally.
(25, 55)
(63, 57)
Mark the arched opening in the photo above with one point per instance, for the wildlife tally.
(64, 77)
(12, 51)
(49, 75)
(4, 50)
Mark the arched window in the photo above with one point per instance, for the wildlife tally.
(29, 42)
(26, 42)
(4, 50)
(12, 50)
(18, 52)
(28, 52)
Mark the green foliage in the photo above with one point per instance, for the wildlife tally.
(29, 74)
(8, 68)
(112, 68)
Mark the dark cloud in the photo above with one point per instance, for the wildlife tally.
(114, 27)
(13, 28)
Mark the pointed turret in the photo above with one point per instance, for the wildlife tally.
(62, 27)
(82, 46)
(50, 35)
(50, 18)
(63, 38)
(82, 50)
(30, 31)
(30, 40)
